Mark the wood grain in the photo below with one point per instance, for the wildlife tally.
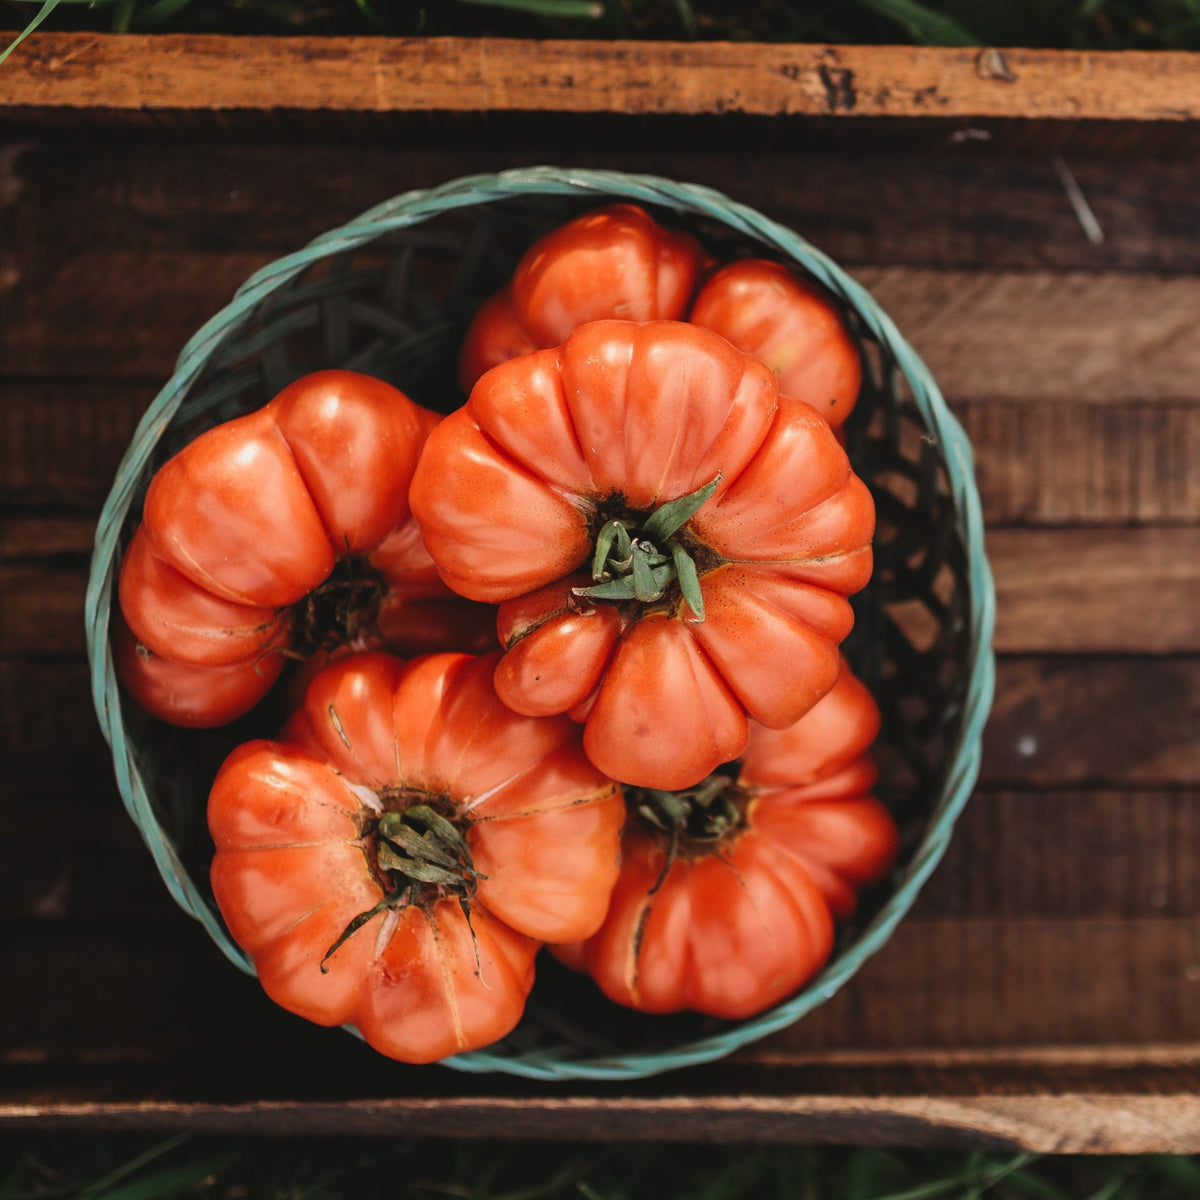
(1067, 462)
(1088, 591)
(1100, 337)
(1094, 721)
(177, 71)
(1015, 854)
(969, 203)
(1085, 591)
(1111, 463)
(1040, 1122)
(163, 991)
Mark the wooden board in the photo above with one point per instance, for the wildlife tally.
(1043, 991)
(174, 71)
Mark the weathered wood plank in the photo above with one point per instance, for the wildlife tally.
(965, 204)
(60, 443)
(111, 315)
(1107, 336)
(1094, 722)
(1060, 462)
(1015, 854)
(1097, 336)
(1039, 1121)
(1083, 591)
(1066, 462)
(162, 990)
(440, 74)
(1070, 853)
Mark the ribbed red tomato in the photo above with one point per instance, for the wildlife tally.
(768, 312)
(282, 533)
(672, 543)
(396, 857)
(728, 892)
(615, 261)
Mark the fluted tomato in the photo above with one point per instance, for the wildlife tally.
(615, 261)
(397, 856)
(281, 534)
(768, 312)
(729, 892)
(671, 541)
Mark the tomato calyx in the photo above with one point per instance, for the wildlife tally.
(642, 557)
(701, 815)
(691, 823)
(418, 856)
(340, 611)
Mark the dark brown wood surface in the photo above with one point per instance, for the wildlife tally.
(1045, 990)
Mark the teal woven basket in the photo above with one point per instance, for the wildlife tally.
(390, 294)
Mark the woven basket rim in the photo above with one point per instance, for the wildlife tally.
(413, 208)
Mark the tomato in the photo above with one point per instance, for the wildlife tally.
(671, 542)
(397, 856)
(616, 261)
(765, 310)
(728, 893)
(277, 535)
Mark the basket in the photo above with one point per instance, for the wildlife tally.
(391, 294)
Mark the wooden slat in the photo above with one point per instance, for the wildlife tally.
(964, 204)
(1112, 463)
(1124, 721)
(111, 315)
(162, 991)
(60, 443)
(1085, 591)
(1041, 1122)
(1060, 853)
(1114, 854)
(1108, 336)
(431, 74)
(1067, 462)
(1105, 336)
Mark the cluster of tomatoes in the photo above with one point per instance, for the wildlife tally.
(565, 664)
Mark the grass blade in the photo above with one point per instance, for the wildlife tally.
(47, 8)
(588, 10)
(922, 24)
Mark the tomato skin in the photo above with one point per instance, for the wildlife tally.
(249, 518)
(615, 261)
(292, 820)
(735, 926)
(764, 309)
(200, 697)
(622, 416)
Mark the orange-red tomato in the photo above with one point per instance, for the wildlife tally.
(765, 310)
(671, 542)
(396, 857)
(280, 534)
(736, 910)
(616, 261)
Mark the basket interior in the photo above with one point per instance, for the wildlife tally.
(397, 308)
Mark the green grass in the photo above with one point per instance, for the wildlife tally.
(45, 1167)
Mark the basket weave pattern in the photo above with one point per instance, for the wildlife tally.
(390, 294)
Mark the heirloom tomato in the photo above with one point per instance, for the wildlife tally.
(729, 891)
(282, 534)
(396, 857)
(671, 541)
(770, 314)
(613, 262)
